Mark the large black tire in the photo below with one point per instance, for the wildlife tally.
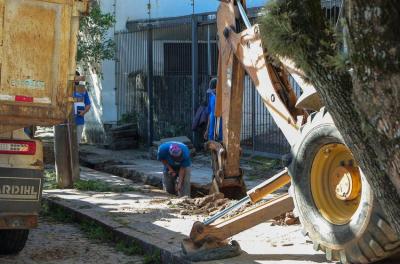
(367, 237)
(13, 241)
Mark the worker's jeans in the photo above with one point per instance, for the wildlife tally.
(79, 131)
(169, 183)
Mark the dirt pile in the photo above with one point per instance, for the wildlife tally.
(206, 205)
(213, 203)
(286, 219)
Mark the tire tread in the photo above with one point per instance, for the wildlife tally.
(378, 241)
(12, 241)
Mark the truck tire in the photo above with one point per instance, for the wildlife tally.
(333, 200)
(12, 241)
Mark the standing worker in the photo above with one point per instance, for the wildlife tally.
(214, 125)
(176, 159)
(82, 104)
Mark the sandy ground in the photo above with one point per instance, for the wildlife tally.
(155, 218)
(54, 242)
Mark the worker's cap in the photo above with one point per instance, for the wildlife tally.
(175, 150)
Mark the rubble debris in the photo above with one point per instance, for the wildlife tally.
(286, 219)
(124, 137)
(199, 189)
(160, 201)
(206, 205)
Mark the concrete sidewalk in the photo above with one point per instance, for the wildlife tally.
(148, 216)
(138, 167)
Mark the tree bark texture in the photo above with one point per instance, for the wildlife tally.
(359, 89)
(375, 46)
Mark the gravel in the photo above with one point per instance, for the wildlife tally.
(54, 242)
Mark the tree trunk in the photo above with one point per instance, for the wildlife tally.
(376, 81)
(364, 105)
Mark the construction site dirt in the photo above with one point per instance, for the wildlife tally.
(155, 221)
(60, 242)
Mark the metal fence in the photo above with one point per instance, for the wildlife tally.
(259, 131)
(172, 98)
(333, 10)
(171, 83)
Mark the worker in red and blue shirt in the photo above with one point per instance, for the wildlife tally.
(176, 159)
(82, 105)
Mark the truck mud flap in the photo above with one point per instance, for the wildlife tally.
(20, 191)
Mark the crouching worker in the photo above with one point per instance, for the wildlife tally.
(176, 159)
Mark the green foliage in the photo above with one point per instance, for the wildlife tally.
(173, 130)
(95, 231)
(299, 30)
(91, 228)
(50, 181)
(154, 258)
(85, 185)
(261, 166)
(132, 248)
(265, 163)
(92, 185)
(93, 44)
(100, 186)
(128, 118)
(56, 213)
(129, 248)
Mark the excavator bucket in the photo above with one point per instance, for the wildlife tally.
(208, 240)
(211, 250)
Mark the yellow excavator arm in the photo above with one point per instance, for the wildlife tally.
(242, 53)
(329, 190)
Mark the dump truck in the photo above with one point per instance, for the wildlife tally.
(38, 44)
(328, 191)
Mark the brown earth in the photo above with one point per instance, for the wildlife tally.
(206, 205)
(286, 219)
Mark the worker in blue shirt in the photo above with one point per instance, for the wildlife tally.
(176, 159)
(214, 126)
(82, 104)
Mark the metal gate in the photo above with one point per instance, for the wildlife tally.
(172, 99)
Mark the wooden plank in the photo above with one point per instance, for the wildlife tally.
(129, 133)
(124, 127)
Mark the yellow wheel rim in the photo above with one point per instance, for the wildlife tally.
(335, 183)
